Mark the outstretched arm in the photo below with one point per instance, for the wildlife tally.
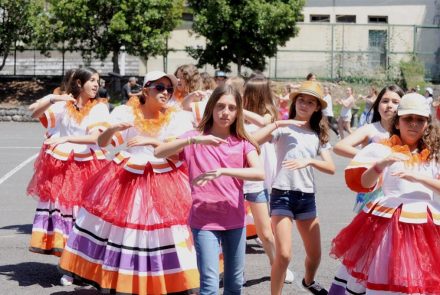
(256, 119)
(347, 146)
(105, 138)
(83, 139)
(166, 149)
(265, 134)
(40, 106)
(255, 172)
(325, 165)
(429, 182)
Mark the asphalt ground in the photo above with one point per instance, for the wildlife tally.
(23, 272)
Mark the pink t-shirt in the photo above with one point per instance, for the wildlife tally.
(219, 204)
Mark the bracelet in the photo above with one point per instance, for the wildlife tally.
(191, 140)
(377, 169)
(51, 100)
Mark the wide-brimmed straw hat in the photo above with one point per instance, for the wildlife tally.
(312, 88)
(413, 104)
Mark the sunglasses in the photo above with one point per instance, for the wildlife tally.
(160, 88)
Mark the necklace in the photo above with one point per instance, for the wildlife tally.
(396, 145)
(78, 114)
(149, 126)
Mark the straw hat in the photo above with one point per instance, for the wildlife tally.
(312, 88)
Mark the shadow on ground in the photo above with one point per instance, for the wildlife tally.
(19, 228)
(250, 283)
(78, 291)
(32, 273)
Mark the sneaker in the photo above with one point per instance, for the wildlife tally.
(315, 288)
(66, 280)
(258, 242)
(290, 277)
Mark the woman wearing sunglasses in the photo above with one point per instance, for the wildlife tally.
(131, 236)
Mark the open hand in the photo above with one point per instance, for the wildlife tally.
(56, 140)
(296, 164)
(121, 126)
(202, 179)
(409, 176)
(141, 141)
(209, 139)
(286, 123)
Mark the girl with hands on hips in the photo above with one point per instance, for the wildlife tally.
(400, 227)
(219, 155)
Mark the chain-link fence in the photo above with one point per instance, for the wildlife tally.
(332, 51)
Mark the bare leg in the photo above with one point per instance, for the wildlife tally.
(282, 227)
(260, 212)
(311, 237)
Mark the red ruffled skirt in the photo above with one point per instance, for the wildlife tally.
(140, 201)
(384, 254)
(59, 181)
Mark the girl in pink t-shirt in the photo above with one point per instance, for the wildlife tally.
(219, 155)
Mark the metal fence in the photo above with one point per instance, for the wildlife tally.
(332, 51)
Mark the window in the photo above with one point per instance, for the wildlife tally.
(346, 18)
(319, 18)
(187, 16)
(377, 19)
(377, 43)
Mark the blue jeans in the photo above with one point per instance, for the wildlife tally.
(207, 244)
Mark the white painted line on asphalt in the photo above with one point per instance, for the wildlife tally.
(20, 147)
(13, 171)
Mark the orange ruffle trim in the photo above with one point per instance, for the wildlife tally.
(395, 143)
(149, 126)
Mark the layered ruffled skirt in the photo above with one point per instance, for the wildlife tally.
(57, 185)
(383, 255)
(131, 236)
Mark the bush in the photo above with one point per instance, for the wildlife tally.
(413, 73)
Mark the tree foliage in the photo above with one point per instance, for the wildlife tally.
(100, 27)
(16, 24)
(243, 32)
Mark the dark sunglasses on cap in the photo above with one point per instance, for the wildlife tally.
(160, 88)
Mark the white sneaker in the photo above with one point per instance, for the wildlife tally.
(66, 280)
(290, 277)
(259, 242)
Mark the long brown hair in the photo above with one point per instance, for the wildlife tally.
(429, 138)
(318, 123)
(375, 107)
(258, 97)
(237, 128)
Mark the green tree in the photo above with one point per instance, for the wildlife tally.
(102, 27)
(242, 32)
(16, 24)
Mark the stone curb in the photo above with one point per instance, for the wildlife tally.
(17, 114)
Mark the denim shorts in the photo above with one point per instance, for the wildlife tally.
(260, 197)
(294, 204)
